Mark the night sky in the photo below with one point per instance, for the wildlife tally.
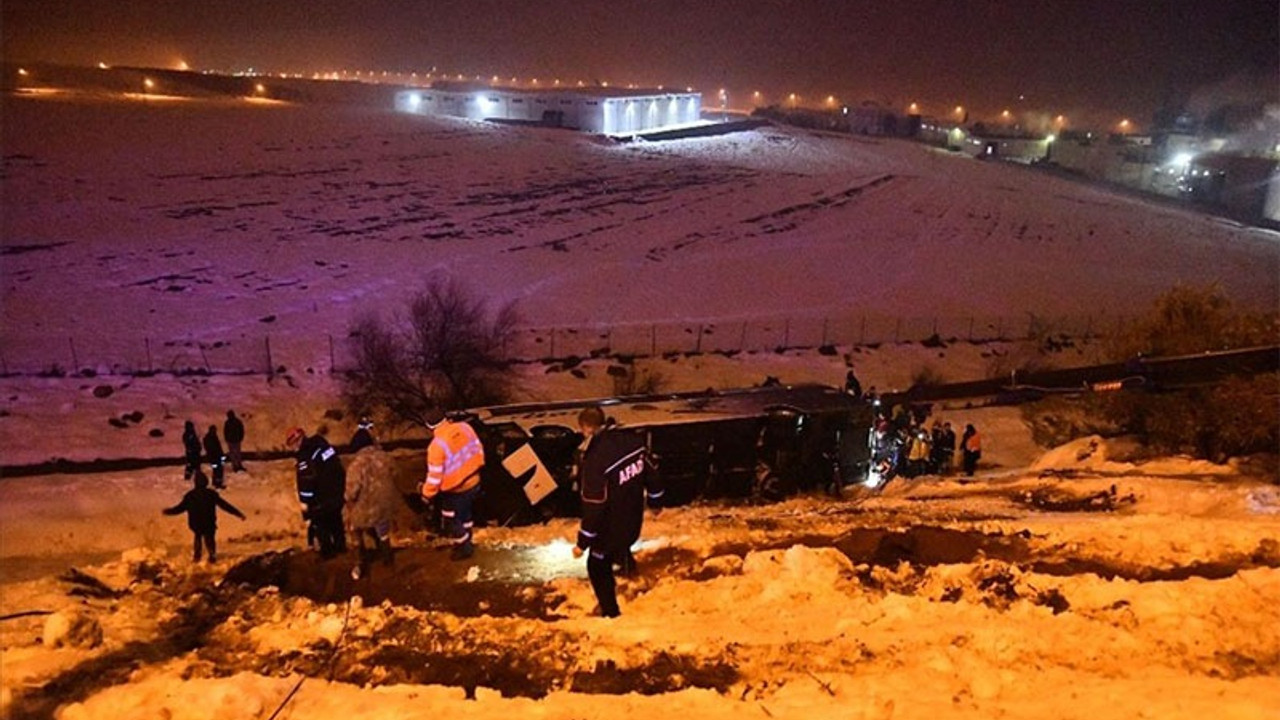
(1107, 57)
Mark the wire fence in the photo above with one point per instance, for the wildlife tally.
(86, 355)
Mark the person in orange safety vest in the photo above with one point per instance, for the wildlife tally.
(454, 459)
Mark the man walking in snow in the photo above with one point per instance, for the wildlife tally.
(233, 433)
(616, 478)
(201, 506)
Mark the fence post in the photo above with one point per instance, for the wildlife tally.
(553, 344)
(824, 332)
(75, 361)
(862, 336)
(970, 329)
(653, 340)
(742, 341)
(271, 366)
(786, 334)
(697, 345)
(207, 366)
(147, 341)
(897, 331)
(333, 364)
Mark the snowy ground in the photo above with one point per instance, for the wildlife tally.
(225, 221)
(1018, 595)
(1036, 591)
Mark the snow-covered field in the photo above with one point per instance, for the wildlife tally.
(1036, 591)
(1016, 596)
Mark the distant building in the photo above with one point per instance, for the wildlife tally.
(1180, 165)
(607, 111)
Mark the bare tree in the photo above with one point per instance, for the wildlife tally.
(448, 350)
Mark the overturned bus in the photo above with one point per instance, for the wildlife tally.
(765, 442)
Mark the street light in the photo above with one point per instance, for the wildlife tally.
(148, 83)
(913, 109)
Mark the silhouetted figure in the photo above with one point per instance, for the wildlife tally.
(233, 433)
(201, 506)
(213, 455)
(363, 436)
(971, 448)
(190, 450)
(851, 384)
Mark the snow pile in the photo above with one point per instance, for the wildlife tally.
(1091, 454)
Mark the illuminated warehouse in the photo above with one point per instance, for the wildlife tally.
(607, 111)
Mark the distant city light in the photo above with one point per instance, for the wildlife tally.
(914, 109)
(260, 88)
(102, 66)
(1182, 160)
(183, 66)
(1125, 125)
(148, 83)
(23, 72)
(1006, 114)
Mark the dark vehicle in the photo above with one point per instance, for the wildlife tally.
(760, 443)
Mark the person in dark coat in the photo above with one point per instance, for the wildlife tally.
(971, 449)
(190, 450)
(233, 433)
(201, 506)
(213, 455)
(363, 436)
(321, 483)
(852, 385)
(616, 479)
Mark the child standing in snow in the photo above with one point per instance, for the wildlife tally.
(200, 505)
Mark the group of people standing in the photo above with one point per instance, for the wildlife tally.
(209, 449)
(201, 503)
(901, 444)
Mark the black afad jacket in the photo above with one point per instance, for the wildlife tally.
(616, 477)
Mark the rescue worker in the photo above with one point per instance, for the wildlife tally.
(918, 452)
(213, 455)
(190, 450)
(201, 506)
(371, 500)
(454, 459)
(321, 482)
(616, 478)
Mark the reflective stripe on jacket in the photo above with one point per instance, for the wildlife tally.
(454, 459)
